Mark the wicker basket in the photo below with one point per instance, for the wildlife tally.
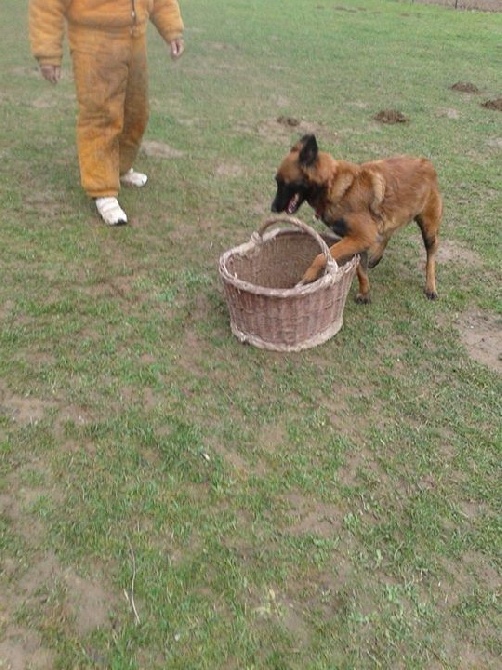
(268, 308)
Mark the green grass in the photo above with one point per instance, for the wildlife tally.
(333, 509)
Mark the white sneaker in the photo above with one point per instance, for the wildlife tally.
(132, 178)
(111, 212)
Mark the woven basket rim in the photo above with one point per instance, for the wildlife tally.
(333, 272)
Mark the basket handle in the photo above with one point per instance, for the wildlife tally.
(292, 220)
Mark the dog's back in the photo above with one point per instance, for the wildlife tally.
(403, 188)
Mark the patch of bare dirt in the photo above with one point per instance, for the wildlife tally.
(159, 150)
(390, 116)
(22, 649)
(323, 520)
(47, 591)
(481, 334)
(45, 102)
(88, 602)
(479, 5)
(279, 130)
(229, 170)
(493, 104)
(350, 10)
(461, 580)
(23, 71)
(288, 121)
(495, 142)
(23, 410)
(47, 202)
(450, 251)
(38, 584)
(274, 606)
(17, 507)
(449, 113)
(464, 87)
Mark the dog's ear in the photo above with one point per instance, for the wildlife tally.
(308, 150)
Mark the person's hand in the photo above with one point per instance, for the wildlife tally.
(177, 48)
(51, 72)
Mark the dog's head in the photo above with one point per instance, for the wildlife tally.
(292, 178)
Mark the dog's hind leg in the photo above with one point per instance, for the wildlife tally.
(363, 295)
(429, 221)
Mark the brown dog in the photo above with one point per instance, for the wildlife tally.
(363, 204)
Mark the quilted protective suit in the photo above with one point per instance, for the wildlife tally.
(108, 49)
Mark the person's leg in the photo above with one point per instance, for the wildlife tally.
(136, 113)
(101, 81)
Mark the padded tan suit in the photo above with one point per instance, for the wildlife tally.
(111, 85)
(108, 48)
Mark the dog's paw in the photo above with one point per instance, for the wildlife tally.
(363, 299)
(431, 295)
(310, 275)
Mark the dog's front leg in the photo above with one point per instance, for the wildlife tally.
(341, 251)
(314, 271)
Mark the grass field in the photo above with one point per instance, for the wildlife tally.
(172, 499)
